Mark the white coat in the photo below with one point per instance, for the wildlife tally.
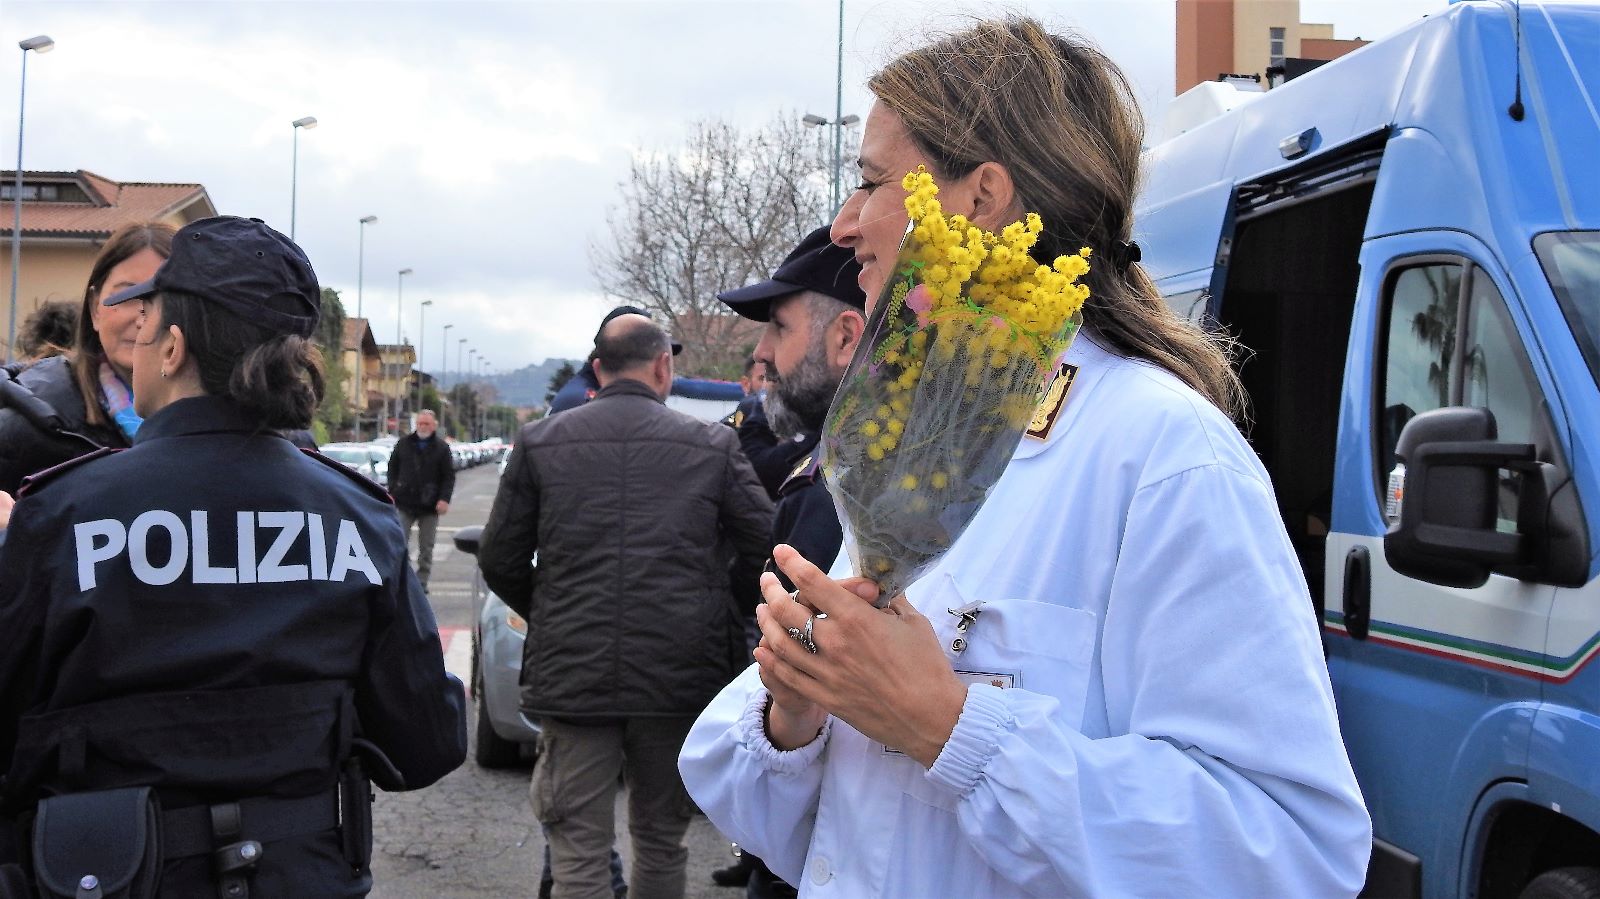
(1167, 727)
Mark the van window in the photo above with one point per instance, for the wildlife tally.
(1428, 366)
(1496, 376)
(1571, 260)
(1420, 346)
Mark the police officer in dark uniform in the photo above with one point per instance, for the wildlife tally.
(813, 309)
(214, 641)
(773, 459)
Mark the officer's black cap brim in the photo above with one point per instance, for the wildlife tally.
(136, 292)
(755, 301)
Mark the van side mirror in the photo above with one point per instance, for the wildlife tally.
(467, 539)
(1448, 498)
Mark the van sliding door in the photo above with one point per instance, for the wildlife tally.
(1182, 240)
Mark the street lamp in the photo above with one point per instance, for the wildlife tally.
(444, 361)
(483, 404)
(460, 345)
(838, 124)
(307, 123)
(444, 351)
(399, 313)
(361, 260)
(472, 366)
(422, 337)
(840, 120)
(39, 44)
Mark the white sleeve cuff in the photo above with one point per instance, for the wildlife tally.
(752, 729)
(984, 717)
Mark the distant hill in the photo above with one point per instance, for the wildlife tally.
(524, 387)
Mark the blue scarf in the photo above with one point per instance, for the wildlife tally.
(116, 397)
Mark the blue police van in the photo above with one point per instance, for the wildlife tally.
(1405, 243)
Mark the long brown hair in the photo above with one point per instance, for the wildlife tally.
(87, 353)
(1062, 119)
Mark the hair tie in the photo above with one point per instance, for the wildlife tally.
(1124, 254)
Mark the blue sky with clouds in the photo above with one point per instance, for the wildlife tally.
(489, 138)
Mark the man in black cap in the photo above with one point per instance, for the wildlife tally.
(583, 385)
(815, 316)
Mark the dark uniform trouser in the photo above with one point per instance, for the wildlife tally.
(574, 795)
(427, 528)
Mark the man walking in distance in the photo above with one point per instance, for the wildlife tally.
(813, 311)
(421, 480)
(622, 498)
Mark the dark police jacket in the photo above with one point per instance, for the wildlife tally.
(42, 421)
(221, 616)
(772, 458)
(627, 502)
(806, 518)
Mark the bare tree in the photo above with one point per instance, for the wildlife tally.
(719, 213)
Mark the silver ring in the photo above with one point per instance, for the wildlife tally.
(794, 595)
(803, 637)
(806, 638)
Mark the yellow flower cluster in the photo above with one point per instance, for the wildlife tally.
(983, 295)
(931, 410)
(1035, 301)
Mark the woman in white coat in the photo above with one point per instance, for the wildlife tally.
(1139, 705)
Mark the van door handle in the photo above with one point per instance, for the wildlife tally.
(1358, 591)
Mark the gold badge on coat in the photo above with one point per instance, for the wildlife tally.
(1055, 398)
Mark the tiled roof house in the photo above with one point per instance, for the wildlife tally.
(66, 217)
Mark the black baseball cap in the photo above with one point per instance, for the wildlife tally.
(629, 310)
(817, 264)
(243, 266)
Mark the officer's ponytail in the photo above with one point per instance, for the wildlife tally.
(274, 376)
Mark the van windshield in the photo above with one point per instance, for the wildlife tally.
(1571, 260)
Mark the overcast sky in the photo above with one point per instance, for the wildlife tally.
(488, 138)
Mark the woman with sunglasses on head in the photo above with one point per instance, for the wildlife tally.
(1111, 684)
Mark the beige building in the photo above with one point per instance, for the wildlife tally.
(1249, 37)
(360, 354)
(66, 218)
(393, 383)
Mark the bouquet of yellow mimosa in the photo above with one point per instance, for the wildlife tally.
(943, 384)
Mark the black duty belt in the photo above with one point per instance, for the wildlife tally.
(189, 831)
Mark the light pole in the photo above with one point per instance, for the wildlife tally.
(39, 44)
(838, 124)
(422, 339)
(399, 319)
(444, 363)
(483, 406)
(308, 122)
(472, 366)
(361, 262)
(461, 344)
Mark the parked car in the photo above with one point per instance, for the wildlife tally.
(369, 460)
(1411, 258)
(504, 735)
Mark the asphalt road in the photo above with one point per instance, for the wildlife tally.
(473, 833)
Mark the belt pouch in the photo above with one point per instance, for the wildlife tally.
(100, 845)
